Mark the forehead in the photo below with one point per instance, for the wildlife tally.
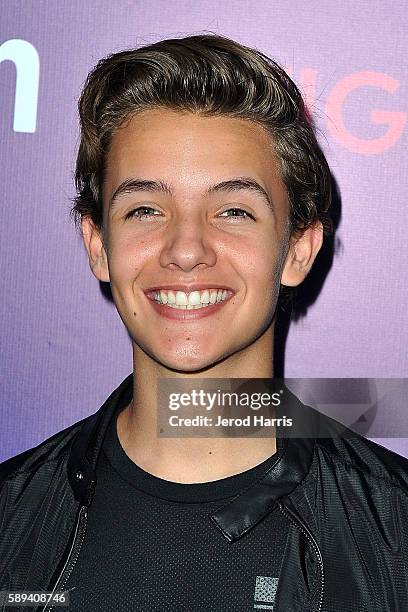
(190, 150)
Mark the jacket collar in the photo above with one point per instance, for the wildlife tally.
(237, 516)
(87, 444)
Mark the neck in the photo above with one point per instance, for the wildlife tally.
(192, 460)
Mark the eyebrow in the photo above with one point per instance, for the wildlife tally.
(236, 184)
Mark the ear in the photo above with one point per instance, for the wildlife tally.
(98, 261)
(301, 255)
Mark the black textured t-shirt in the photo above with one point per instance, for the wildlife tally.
(150, 545)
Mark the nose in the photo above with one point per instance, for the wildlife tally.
(187, 245)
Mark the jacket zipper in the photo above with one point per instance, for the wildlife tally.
(293, 519)
(79, 537)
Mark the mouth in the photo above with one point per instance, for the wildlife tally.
(181, 304)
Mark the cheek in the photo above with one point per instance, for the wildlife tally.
(128, 256)
(264, 287)
(260, 264)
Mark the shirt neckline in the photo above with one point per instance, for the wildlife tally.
(138, 478)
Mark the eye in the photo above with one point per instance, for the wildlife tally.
(132, 214)
(239, 216)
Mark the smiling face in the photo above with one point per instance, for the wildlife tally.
(213, 215)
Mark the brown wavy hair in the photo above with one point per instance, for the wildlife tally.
(211, 75)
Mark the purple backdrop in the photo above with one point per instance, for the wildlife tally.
(64, 347)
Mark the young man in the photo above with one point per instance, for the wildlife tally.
(202, 195)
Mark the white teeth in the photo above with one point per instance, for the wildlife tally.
(213, 297)
(191, 301)
(181, 298)
(205, 297)
(194, 298)
(171, 298)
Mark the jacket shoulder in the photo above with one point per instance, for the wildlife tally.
(356, 451)
(50, 449)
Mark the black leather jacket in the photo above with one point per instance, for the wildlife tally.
(346, 497)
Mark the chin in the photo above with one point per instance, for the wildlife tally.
(186, 363)
(187, 358)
